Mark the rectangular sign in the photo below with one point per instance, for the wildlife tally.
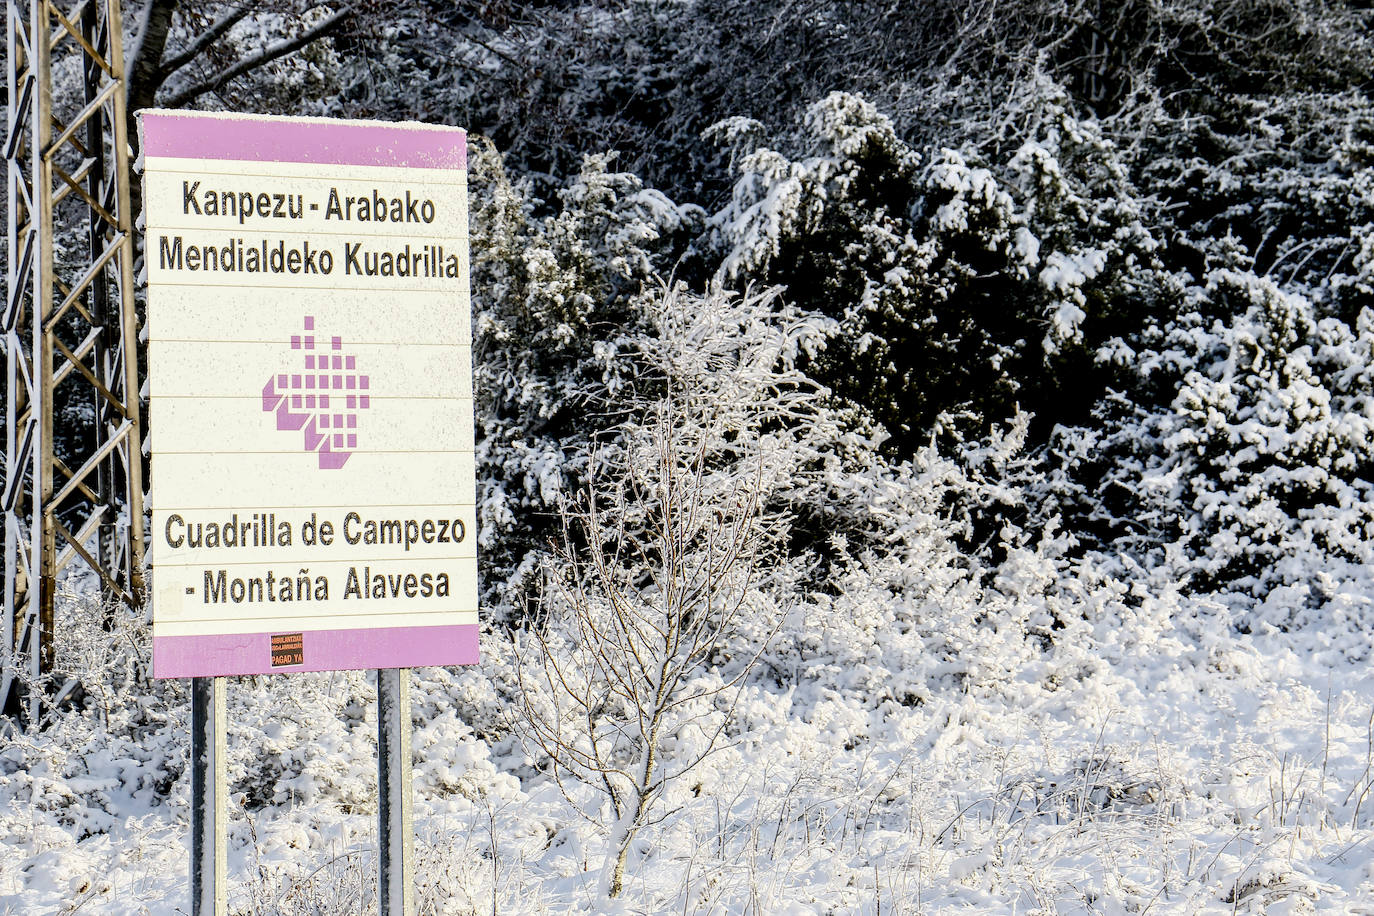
(310, 394)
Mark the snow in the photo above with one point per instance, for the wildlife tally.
(1150, 757)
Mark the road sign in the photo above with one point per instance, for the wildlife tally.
(310, 392)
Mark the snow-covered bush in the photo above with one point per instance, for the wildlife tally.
(1285, 181)
(1260, 472)
(912, 608)
(111, 742)
(960, 289)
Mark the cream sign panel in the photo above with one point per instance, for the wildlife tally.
(310, 387)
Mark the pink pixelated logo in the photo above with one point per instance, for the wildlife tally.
(321, 397)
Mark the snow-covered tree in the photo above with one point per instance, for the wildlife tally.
(672, 574)
(960, 290)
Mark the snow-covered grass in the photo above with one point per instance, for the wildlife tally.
(1150, 759)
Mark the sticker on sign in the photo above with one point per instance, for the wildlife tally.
(310, 383)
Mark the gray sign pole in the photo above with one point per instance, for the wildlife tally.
(209, 864)
(396, 832)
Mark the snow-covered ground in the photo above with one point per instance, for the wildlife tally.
(1152, 759)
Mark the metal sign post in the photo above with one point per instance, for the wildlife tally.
(396, 832)
(209, 818)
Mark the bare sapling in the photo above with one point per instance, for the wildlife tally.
(648, 600)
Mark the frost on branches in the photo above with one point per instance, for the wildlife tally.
(556, 303)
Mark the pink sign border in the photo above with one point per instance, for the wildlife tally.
(268, 138)
(324, 650)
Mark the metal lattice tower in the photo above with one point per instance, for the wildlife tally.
(73, 486)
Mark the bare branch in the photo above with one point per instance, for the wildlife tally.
(212, 33)
(188, 94)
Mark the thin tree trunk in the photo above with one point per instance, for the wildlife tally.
(145, 75)
(628, 825)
